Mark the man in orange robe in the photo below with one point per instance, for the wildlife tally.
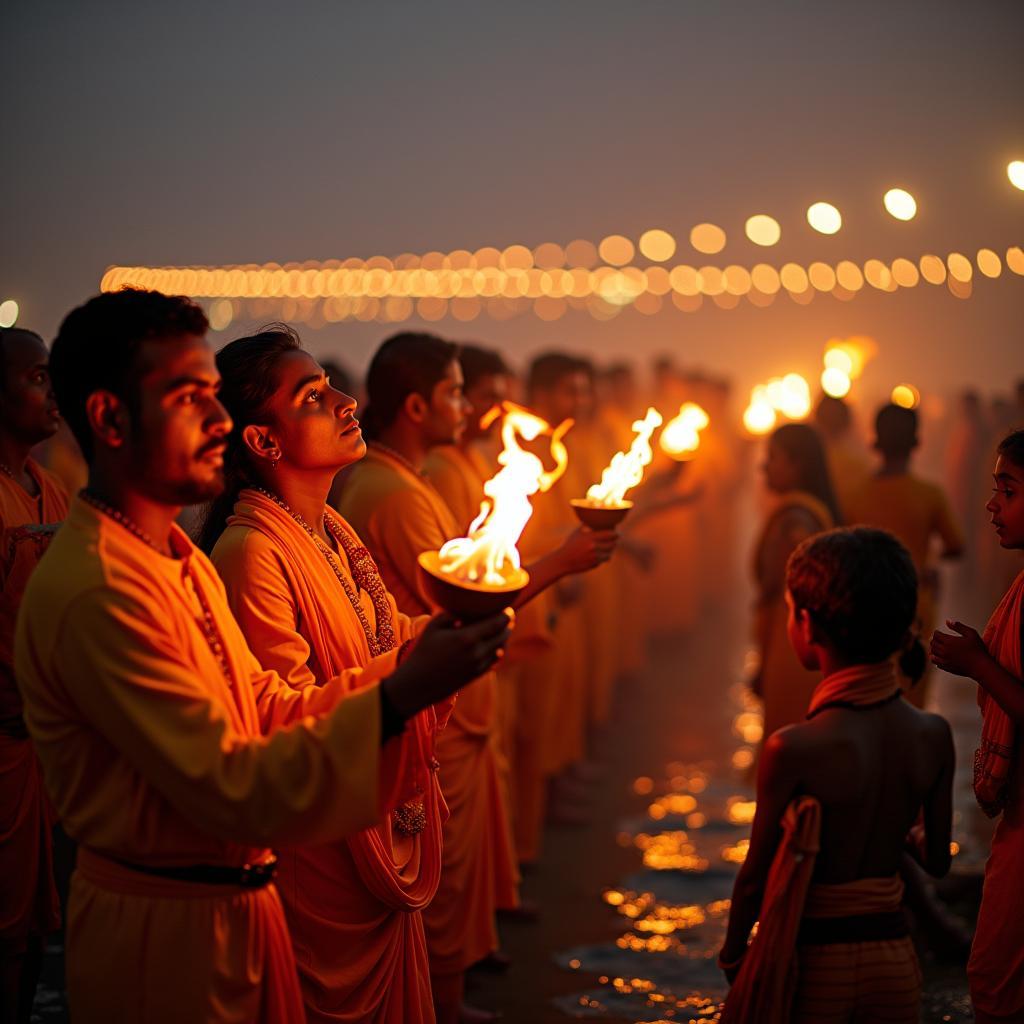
(32, 505)
(173, 759)
(414, 387)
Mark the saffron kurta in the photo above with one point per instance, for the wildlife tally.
(399, 516)
(995, 970)
(354, 907)
(154, 757)
(28, 897)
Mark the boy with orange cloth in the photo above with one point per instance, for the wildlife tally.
(839, 801)
(32, 504)
(414, 389)
(995, 970)
(172, 757)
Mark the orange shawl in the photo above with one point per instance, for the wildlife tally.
(352, 907)
(994, 758)
(763, 990)
(858, 685)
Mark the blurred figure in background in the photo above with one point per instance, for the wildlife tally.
(915, 510)
(847, 464)
(33, 503)
(796, 474)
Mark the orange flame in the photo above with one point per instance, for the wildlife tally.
(681, 436)
(626, 469)
(488, 555)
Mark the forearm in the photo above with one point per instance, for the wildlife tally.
(544, 572)
(1002, 686)
(746, 906)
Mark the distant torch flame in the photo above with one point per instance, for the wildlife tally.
(488, 555)
(681, 436)
(626, 469)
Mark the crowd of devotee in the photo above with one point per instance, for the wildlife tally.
(300, 786)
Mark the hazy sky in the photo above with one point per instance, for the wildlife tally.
(209, 133)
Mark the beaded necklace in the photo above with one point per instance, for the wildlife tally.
(5, 469)
(206, 624)
(410, 819)
(364, 573)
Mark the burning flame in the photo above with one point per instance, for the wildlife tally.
(626, 469)
(488, 554)
(681, 436)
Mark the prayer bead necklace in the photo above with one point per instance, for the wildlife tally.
(399, 458)
(206, 623)
(364, 573)
(410, 819)
(5, 469)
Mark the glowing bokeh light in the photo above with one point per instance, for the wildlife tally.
(1015, 259)
(906, 396)
(960, 268)
(1015, 172)
(616, 250)
(835, 383)
(222, 312)
(765, 278)
(759, 417)
(905, 273)
(989, 263)
(900, 204)
(763, 230)
(8, 313)
(838, 358)
(657, 245)
(707, 238)
(933, 270)
(795, 398)
(824, 217)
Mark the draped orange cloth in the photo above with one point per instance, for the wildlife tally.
(353, 908)
(400, 515)
(763, 990)
(996, 967)
(875, 980)
(786, 686)
(28, 897)
(858, 685)
(154, 756)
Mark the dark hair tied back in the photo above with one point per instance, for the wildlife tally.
(248, 379)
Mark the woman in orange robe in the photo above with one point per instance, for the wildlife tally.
(796, 472)
(310, 609)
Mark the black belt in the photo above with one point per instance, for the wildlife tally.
(248, 876)
(826, 931)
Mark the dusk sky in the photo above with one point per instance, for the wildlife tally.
(220, 133)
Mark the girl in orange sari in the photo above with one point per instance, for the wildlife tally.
(310, 601)
(995, 970)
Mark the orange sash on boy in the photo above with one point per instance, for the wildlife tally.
(996, 967)
(399, 516)
(29, 904)
(767, 981)
(353, 907)
(160, 753)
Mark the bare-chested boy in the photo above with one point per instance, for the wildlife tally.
(841, 799)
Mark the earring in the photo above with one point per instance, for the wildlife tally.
(274, 460)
